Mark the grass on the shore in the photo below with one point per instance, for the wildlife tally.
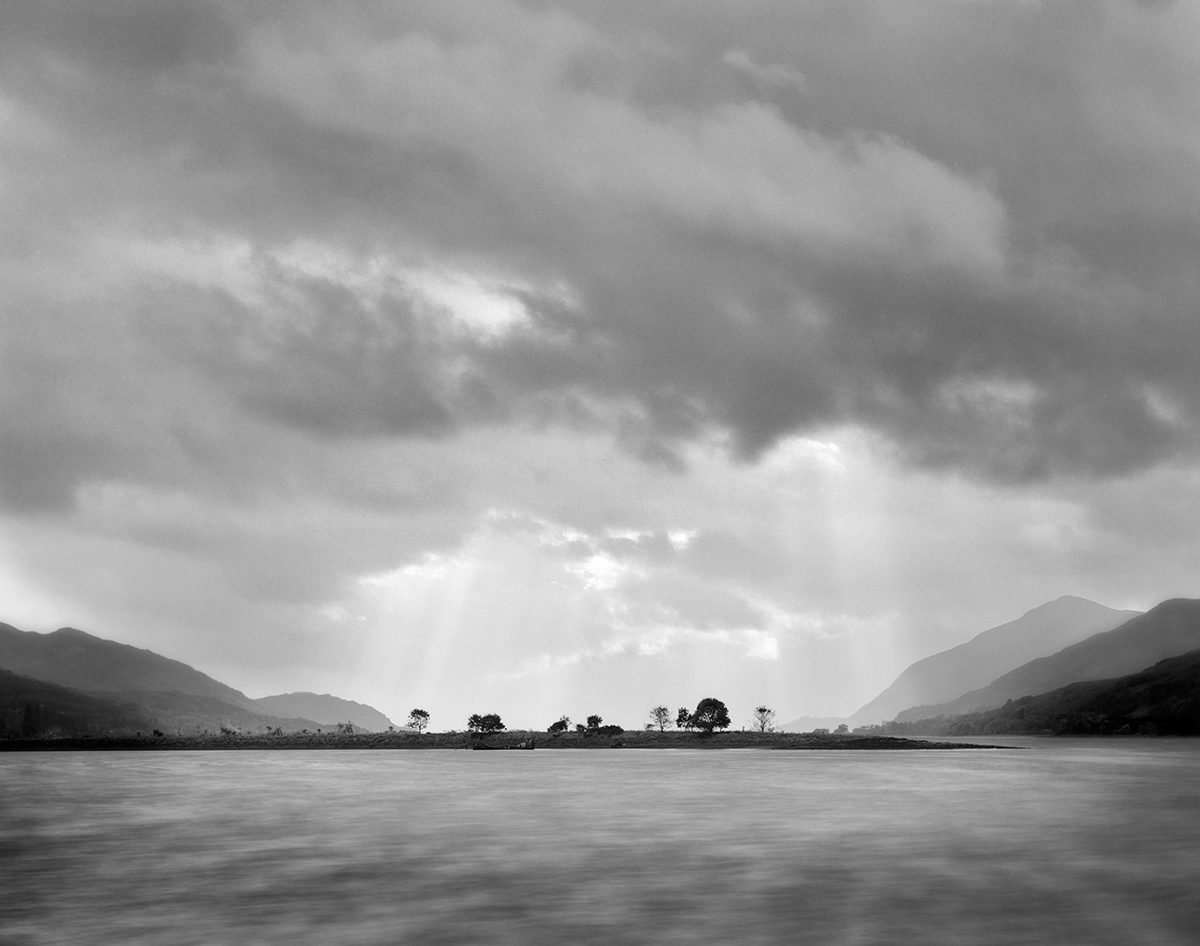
(642, 739)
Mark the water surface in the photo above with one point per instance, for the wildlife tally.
(1070, 841)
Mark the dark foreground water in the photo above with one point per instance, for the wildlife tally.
(1087, 842)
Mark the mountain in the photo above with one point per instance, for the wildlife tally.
(325, 709)
(951, 673)
(174, 695)
(1160, 700)
(1166, 630)
(31, 707)
(188, 713)
(75, 659)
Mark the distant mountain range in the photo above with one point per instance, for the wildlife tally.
(1160, 700)
(325, 709)
(1166, 630)
(101, 685)
(989, 654)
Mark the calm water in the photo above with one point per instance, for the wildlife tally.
(1087, 842)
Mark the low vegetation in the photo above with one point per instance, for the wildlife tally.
(641, 739)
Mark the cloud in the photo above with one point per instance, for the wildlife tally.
(668, 271)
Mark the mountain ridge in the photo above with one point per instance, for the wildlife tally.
(325, 709)
(976, 662)
(1163, 699)
(1170, 628)
(82, 661)
(174, 694)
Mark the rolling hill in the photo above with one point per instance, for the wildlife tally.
(1166, 630)
(325, 709)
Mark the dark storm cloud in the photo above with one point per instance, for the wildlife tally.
(970, 227)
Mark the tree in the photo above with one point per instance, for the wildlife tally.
(594, 722)
(485, 724)
(683, 719)
(710, 714)
(763, 719)
(418, 719)
(660, 718)
(561, 725)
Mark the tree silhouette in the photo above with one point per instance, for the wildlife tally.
(485, 724)
(763, 719)
(660, 718)
(418, 719)
(710, 714)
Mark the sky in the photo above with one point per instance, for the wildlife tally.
(567, 358)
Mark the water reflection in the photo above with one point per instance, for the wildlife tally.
(1071, 842)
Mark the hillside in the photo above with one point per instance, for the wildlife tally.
(188, 713)
(1160, 700)
(951, 673)
(35, 707)
(171, 694)
(75, 659)
(991, 653)
(325, 709)
(1166, 630)
(31, 707)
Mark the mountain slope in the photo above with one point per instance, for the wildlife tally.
(951, 673)
(188, 713)
(30, 707)
(325, 709)
(72, 658)
(1166, 630)
(1160, 700)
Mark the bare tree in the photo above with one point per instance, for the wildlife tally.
(660, 718)
(763, 719)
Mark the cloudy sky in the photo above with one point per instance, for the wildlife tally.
(543, 358)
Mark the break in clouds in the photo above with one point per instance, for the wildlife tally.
(306, 303)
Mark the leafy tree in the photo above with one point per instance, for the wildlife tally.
(683, 719)
(561, 725)
(418, 719)
(842, 728)
(594, 722)
(579, 727)
(763, 719)
(710, 714)
(660, 718)
(485, 724)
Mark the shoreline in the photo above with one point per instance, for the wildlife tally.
(459, 740)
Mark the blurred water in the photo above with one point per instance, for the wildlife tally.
(1070, 842)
